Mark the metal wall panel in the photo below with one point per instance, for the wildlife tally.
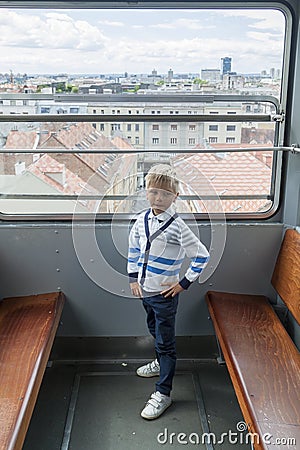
(42, 258)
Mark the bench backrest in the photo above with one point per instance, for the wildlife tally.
(286, 275)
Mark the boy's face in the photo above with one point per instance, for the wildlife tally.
(160, 198)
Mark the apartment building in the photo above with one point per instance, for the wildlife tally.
(169, 134)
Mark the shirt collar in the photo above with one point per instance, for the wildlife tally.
(164, 215)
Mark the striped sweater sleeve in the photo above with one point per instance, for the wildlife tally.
(196, 252)
(133, 253)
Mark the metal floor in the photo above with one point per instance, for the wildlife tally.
(97, 407)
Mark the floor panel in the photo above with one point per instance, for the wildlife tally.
(97, 407)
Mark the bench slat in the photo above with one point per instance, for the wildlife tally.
(27, 330)
(286, 275)
(262, 360)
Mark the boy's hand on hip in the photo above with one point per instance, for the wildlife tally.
(172, 290)
(136, 289)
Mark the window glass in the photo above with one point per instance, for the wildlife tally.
(133, 62)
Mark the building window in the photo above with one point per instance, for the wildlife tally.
(74, 110)
(129, 127)
(137, 127)
(213, 127)
(192, 127)
(137, 140)
(173, 127)
(155, 141)
(173, 141)
(230, 140)
(192, 141)
(212, 139)
(230, 128)
(102, 127)
(155, 127)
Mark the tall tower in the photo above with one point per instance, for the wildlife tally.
(170, 74)
(226, 65)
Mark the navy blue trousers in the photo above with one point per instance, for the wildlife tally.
(161, 314)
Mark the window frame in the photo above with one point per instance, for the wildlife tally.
(280, 5)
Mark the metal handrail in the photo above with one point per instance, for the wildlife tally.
(137, 118)
(131, 197)
(293, 149)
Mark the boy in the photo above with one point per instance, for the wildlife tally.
(158, 242)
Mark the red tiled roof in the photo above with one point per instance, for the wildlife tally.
(21, 140)
(224, 174)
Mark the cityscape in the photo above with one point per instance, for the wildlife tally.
(210, 182)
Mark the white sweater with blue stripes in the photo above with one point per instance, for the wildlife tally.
(159, 262)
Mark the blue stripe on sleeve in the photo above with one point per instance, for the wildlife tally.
(133, 260)
(134, 250)
(200, 259)
(197, 269)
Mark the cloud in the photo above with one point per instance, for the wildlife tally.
(263, 19)
(61, 42)
(111, 23)
(179, 24)
(49, 30)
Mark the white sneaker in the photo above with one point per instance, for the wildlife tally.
(156, 405)
(149, 370)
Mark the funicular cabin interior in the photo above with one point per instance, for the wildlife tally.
(83, 117)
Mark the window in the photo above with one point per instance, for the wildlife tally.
(248, 86)
(230, 127)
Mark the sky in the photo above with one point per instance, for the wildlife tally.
(138, 41)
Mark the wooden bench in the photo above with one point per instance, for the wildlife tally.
(262, 360)
(27, 330)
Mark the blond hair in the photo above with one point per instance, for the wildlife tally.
(162, 176)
